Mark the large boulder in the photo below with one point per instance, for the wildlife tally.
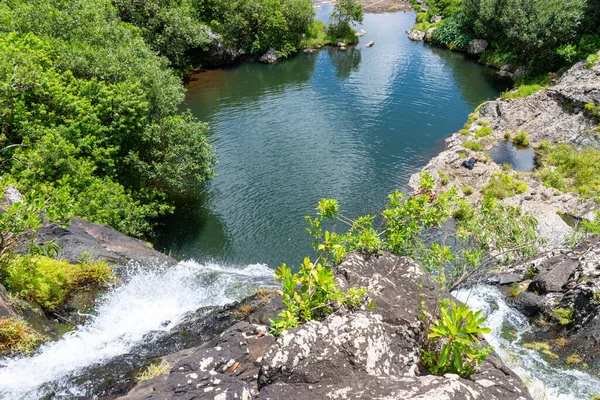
(352, 354)
(270, 57)
(416, 35)
(476, 47)
(98, 242)
(216, 53)
(6, 307)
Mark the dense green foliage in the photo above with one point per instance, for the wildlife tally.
(170, 27)
(49, 282)
(257, 25)
(88, 107)
(540, 34)
(454, 345)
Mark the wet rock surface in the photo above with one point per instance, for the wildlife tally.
(356, 354)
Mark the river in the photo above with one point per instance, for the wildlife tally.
(352, 125)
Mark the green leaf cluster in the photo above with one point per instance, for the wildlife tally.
(454, 344)
(344, 15)
(310, 294)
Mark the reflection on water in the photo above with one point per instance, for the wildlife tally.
(520, 158)
(351, 124)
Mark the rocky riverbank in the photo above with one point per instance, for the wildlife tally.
(350, 355)
(560, 288)
(554, 115)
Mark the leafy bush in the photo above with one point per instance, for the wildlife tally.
(345, 13)
(521, 139)
(452, 33)
(502, 186)
(467, 190)
(258, 25)
(92, 110)
(472, 145)
(484, 131)
(455, 347)
(49, 282)
(310, 294)
(406, 218)
(171, 28)
(17, 336)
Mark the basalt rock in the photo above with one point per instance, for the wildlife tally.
(352, 354)
(476, 47)
(98, 242)
(216, 53)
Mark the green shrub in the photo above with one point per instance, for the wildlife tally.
(344, 14)
(591, 60)
(521, 139)
(97, 114)
(593, 110)
(563, 316)
(484, 131)
(310, 294)
(472, 145)
(444, 179)
(530, 272)
(451, 32)
(507, 167)
(455, 347)
(521, 92)
(464, 132)
(502, 186)
(507, 136)
(467, 190)
(153, 370)
(49, 282)
(17, 336)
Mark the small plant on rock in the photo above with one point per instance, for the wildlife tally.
(563, 316)
(472, 145)
(310, 294)
(154, 370)
(455, 347)
(521, 139)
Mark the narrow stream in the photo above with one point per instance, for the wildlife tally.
(149, 299)
(545, 381)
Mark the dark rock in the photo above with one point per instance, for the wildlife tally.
(555, 279)
(530, 304)
(6, 307)
(503, 278)
(216, 53)
(98, 242)
(361, 354)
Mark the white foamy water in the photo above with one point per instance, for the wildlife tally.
(544, 380)
(149, 299)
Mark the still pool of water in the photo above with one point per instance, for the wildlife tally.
(353, 125)
(520, 158)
